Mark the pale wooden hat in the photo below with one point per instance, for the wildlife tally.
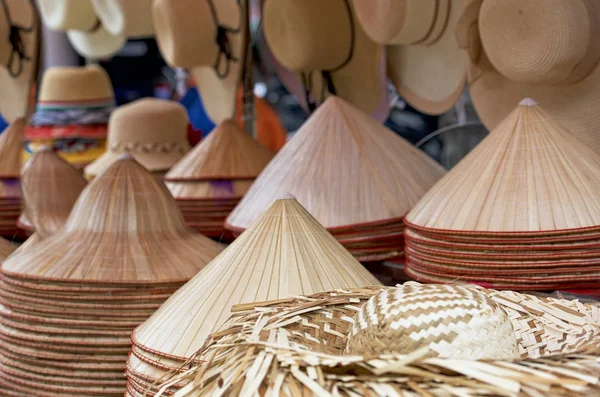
(319, 38)
(18, 56)
(11, 149)
(153, 131)
(207, 37)
(64, 85)
(345, 168)
(557, 66)
(130, 18)
(425, 62)
(529, 175)
(286, 252)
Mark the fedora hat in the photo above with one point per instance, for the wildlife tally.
(86, 31)
(131, 18)
(207, 37)
(543, 49)
(425, 62)
(20, 27)
(152, 130)
(322, 41)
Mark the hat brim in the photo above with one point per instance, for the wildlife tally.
(154, 162)
(97, 44)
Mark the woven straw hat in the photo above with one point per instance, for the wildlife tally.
(207, 37)
(323, 41)
(557, 66)
(64, 85)
(18, 56)
(6, 248)
(85, 30)
(130, 18)
(11, 144)
(284, 253)
(153, 131)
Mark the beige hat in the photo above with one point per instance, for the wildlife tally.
(547, 50)
(321, 40)
(424, 60)
(209, 38)
(11, 144)
(85, 30)
(131, 18)
(81, 86)
(18, 56)
(153, 131)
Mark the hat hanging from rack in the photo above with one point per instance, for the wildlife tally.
(129, 18)
(425, 62)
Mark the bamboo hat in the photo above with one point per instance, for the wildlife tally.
(557, 66)
(130, 18)
(425, 62)
(529, 176)
(323, 41)
(20, 25)
(85, 30)
(11, 146)
(6, 248)
(284, 253)
(209, 38)
(153, 131)
(114, 237)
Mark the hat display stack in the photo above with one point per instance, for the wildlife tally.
(209, 181)
(521, 211)
(153, 131)
(284, 253)
(11, 143)
(50, 187)
(71, 115)
(356, 177)
(70, 302)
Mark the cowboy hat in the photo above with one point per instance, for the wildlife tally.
(424, 60)
(321, 40)
(131, 18)
(543, 49)
(209, 38)
(18, 55)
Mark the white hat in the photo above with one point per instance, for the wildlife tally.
(130, 18)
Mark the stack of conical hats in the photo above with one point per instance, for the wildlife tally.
(521, 211)
(356, 177)
(284, 253)
(209, 181)
(11, 147)
(70, 302)
(50, 187)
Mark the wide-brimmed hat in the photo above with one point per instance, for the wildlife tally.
(425, 62)
(209, 38)
(152, 130)
(323, 41)
(130, 18)
(84, 28)
(20, 27)
(546, 50)
(11, 142)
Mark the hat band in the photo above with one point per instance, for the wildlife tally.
(147, 147)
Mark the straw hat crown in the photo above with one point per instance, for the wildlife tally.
(124, 228)
(450, 321)
(345, 168)
(67, 14)
(11, 149)
(284, 253)
(75, 84)
(50, 188)
(529, 175)
(130, 18)
(229, 152)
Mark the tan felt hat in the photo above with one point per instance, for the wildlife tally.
(547, 50)
(323, 41)
(153, 131)
(130, 18)
(207, 37)
(75, 85)
(20, 27)
(425, 62)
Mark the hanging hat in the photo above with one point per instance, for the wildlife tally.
(425, 62)
(285, 253)
(323, 41)
(20, 25)
(152, 130)
(50, 188)
(85, 30)
(11, 144)
(209, 38)
(130, 18)
(558, 66)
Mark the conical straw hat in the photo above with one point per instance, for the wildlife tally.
(229, 152)
(11, 148)
(6, 248)
(345, 168)
(284, 253)
(50, 188)
(125, 228)
(530, 175)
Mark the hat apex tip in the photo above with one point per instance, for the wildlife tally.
(287, 196)
(528, 102)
